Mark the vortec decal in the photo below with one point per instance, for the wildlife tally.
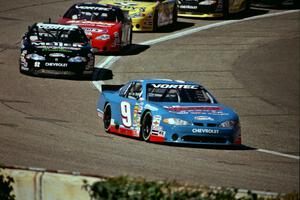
(174, 86)
(210, 131)
(57, 26)
(93, 8)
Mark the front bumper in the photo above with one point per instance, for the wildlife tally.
(142, 24)
(196, 135)
(51, 68)
(192, 9)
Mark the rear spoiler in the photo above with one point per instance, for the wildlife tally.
(111, 87)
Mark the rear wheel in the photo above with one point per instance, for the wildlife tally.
(175, 13)
(146, 126)
(225, 11)
(107, 117)
(155, 21)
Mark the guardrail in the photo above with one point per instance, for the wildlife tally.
(42, 184)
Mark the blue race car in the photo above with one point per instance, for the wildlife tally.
(168, 111)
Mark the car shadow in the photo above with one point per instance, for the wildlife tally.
(198, 146)
(251, 13)
(242, 15)
(99, 74)
(175, 27)
(215, 147)
(134, 49)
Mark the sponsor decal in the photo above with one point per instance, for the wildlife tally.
(137, 111)
(175, 86)
(90, 23)
(152, 108)
(57, 55)
(155, 123)
(57, 44)
(88, 30)
(188, 7)
(93, 8)
(23, 61)
(209, 131)
(204, 118)
(56, 64)
(56, 26)
(54, 49)
(192, 108)
(24, 67)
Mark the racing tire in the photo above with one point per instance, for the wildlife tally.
(107, 117)
(130, 38)
(155, 21)
(225, 10)
(146, 127)
(247, 9)
(175, 15)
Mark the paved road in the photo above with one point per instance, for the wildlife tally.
(252, 66)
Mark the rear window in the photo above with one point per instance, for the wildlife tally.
(44, 34)
(91, 14)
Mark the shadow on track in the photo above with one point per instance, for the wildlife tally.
(134, 49)
(198, 146)
(215, 147)
(97, 75)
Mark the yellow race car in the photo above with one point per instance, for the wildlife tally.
(211, 8)
(147, 15)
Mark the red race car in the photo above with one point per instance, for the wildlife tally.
(108, 27)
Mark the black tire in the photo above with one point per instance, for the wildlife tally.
(247, 9)
(225, 11)
(146, 126)
(130, 38)
(107, 117)
(175, 15)
(155, 21)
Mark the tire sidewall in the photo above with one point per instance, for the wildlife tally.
(145, 120)
(107, 106)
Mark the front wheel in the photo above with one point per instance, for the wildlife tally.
(146, 126)
(107, 117)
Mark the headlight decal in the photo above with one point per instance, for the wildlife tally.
(103, 37)
(176, 121)
(228, 124)
(35, 56)
(77, 59)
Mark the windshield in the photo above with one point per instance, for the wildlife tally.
(91, 14)
(48, 34)
(178, 93)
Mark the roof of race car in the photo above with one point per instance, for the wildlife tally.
(56, 26)
(167, 81)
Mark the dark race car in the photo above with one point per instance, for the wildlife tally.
(108, 27)
(56, 49)
(211, 8)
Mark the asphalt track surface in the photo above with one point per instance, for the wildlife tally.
(252, 66)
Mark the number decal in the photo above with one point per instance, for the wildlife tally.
(37, 64)
(126, 114)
